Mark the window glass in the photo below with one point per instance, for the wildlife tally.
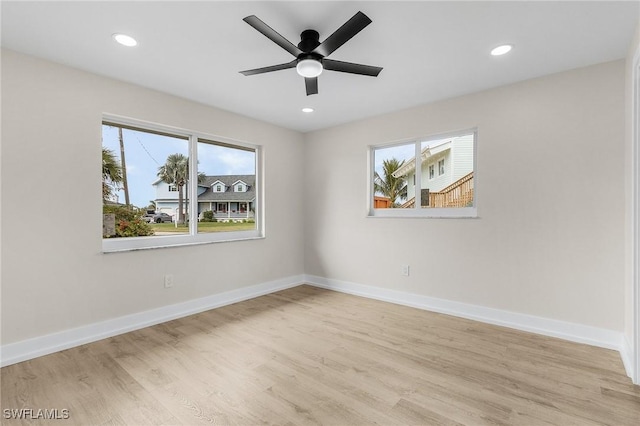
(390, 176)
(453, 186)
(144, 183)
(224, 211)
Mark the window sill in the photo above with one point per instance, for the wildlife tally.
(433, 213)
(117, 245)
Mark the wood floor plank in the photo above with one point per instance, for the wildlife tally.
(308, 356)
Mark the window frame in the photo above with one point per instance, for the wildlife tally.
(417, 211)
(193, 137)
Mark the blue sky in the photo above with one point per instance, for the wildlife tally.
(146, 152)
(400, 152)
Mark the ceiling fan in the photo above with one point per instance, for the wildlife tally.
(311, 54)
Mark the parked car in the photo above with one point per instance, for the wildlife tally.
(148, 217)
(162, 218)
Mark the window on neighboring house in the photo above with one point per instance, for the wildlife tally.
(400, 188)
(146, 167)
(240, 188)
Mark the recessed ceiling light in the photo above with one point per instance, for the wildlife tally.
(501, 50)
(307, 109)
(125, 40)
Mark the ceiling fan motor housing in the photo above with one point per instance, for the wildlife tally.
(309, 40)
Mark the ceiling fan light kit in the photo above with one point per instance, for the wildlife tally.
(311, 54)
(309, 67)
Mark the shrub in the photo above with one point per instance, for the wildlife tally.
(129, 223)
(207, 216)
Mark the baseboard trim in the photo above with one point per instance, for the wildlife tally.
(626, 352)
(32, 348)
(548, 327)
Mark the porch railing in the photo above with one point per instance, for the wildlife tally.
(458, 194)
(233, 215)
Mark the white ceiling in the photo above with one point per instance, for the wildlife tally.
(429, 50)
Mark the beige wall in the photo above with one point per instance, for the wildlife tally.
(549, 240)
(550, 183)
(54, 276)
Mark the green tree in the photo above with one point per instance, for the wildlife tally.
(111, 173)
(175, 171)
(388, 185)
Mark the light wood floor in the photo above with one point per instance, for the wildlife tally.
(311, 356)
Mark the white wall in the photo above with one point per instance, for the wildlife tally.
(54, 276)
(549, 241)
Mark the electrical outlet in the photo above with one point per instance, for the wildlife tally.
(405, 270)
(168, 281)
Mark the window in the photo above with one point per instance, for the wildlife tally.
(400, 188)
(155, 194)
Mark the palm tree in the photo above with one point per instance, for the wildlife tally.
(390, 186)
(111, 173)
(175, 171)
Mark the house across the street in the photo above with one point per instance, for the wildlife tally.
(227, 196)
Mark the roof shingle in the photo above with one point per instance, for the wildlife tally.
(229, 194)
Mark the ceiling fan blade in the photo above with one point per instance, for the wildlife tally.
(343, 34)
(272, 35)
(311, 84)
(330, 64)
(279, 67)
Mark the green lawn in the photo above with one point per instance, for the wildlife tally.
(203, 227)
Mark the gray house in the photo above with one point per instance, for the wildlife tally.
(227, 196)
(230, 196)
